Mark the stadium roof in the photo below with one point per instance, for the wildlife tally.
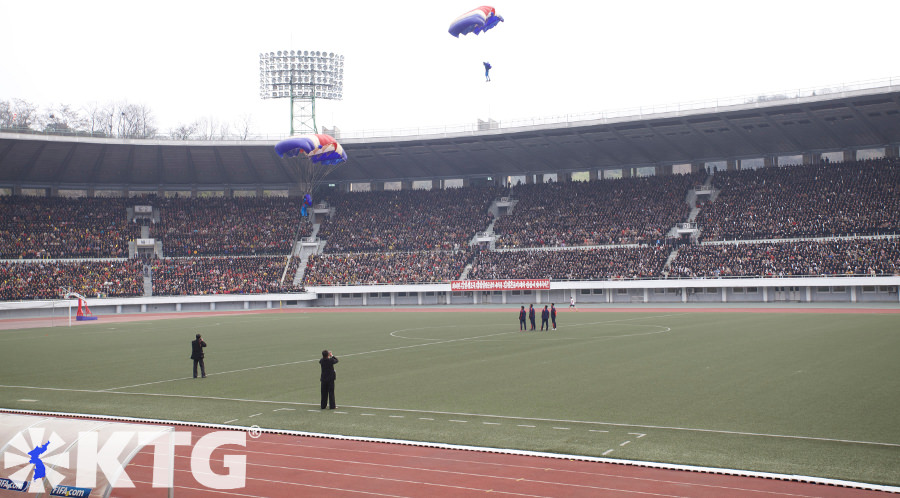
(848, 120)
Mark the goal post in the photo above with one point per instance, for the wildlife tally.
(84, 313)
(44, 312)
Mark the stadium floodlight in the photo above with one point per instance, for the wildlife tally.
(301, 76)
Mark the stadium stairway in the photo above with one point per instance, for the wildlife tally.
(672, 256)
(487, 234)
(305, 252)
(465, 273)
(691, 199)
(148, 284)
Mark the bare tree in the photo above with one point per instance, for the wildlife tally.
(243, 126)
(206, 128)
(133, 120)
(183, 131)
(224, 131)
(23, 114)
(110, 118)
(6, 114)
(63, 119)
(114, 119)
(94, 123)
(146, 122)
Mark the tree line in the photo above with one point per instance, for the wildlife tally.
(112, 120)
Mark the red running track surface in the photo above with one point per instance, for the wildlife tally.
(286, 466)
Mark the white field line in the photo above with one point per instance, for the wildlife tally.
(656, 465)
(482, 415)
(308, 361)
(392, 334)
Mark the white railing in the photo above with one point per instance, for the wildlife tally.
(438, 130)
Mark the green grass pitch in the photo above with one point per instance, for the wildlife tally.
(795, 393)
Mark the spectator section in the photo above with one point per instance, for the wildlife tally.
(20, 281)
(407, 220)
(822, 200)
(604, 212)
(229, 226)
(57, 227)
(220, 275)
(572, 264)
(385, 268)
(789, 259)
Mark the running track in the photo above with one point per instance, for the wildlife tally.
(282, 465)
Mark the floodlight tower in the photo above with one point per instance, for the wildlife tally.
(301, 76)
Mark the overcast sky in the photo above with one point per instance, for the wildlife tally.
(195, 59)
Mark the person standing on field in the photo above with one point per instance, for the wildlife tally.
(327, 378)
(197, 355)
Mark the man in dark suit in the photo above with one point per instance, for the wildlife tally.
(327, 378)
(197, 355)
(545, 319)
(531, 315)
(523, 315)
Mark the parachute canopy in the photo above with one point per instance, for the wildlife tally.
(320, 149)
(481, 19)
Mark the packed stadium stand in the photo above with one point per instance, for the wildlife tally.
(237, 226)
(43, 279)
(219, 275)
(410, 220)
(56, 227)
(624, 211)
(581, 231)
(856, 256)
(386, 267)
(517, 212)
(816, 200)
(586, 264)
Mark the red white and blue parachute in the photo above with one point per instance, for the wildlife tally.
(475, 21)
(319, 148)
(324, 154)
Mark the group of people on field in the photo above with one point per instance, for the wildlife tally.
(547, 316)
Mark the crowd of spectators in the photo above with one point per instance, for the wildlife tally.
(253, 275)
(407, 220)
(20, 281)
(602, 212)
(229, 226)
(220, 275)
(240, 245)
(572, 264)
(821, 200)
(293, 267)
(385, 268)
(59, 227)
(98, 227)
(879, 256)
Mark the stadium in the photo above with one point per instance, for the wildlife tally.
(725, 276)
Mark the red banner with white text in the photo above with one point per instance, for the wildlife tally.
(522, 284)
